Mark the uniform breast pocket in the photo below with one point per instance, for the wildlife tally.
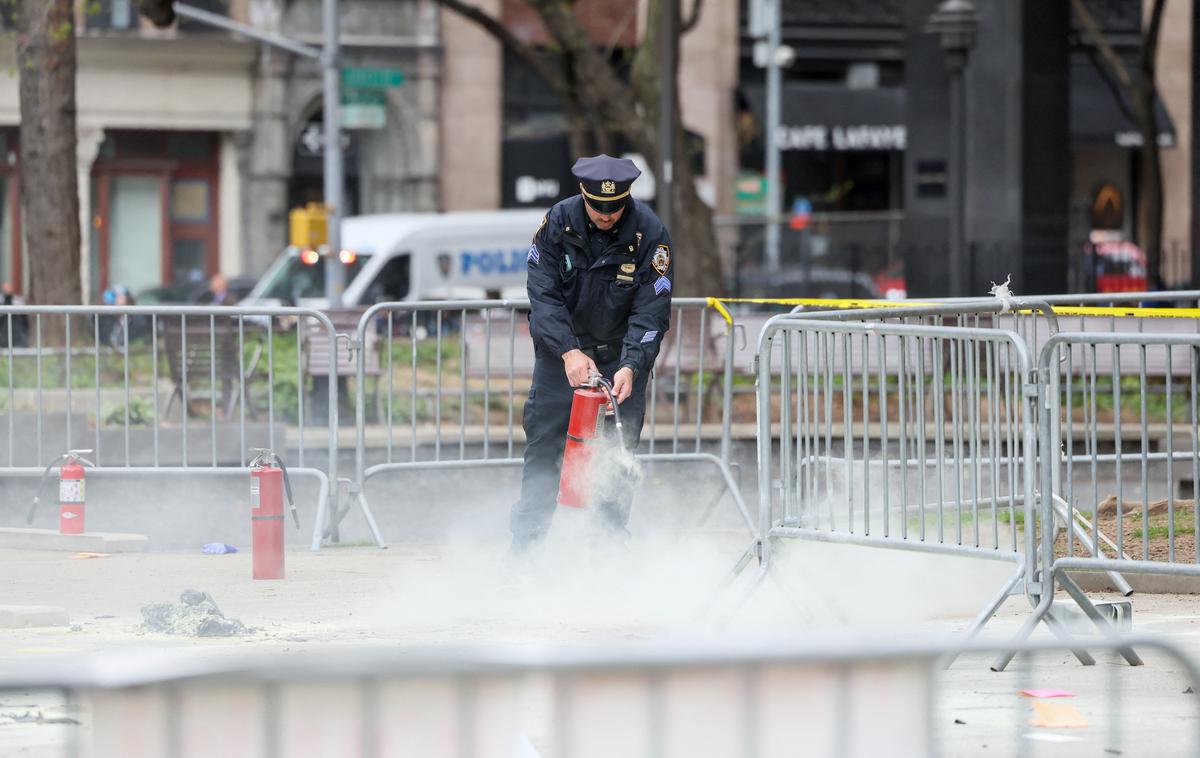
(618, 301)
(620, 294)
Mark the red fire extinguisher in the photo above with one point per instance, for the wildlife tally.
(268, 481)
(590, 404)
(71, 498)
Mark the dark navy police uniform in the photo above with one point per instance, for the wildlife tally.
(607, 293)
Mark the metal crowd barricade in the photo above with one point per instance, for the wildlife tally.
(840, 699)
(448, 378)
(171, 390)
(1126, 499)
(900, 435)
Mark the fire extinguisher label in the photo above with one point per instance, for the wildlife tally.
(70, 490)
(254, 499)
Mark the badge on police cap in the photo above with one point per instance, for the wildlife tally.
(662, 259)
(604, 181)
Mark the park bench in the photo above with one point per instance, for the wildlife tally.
(205, 354)
(320, 356)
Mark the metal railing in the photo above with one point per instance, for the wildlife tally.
(839, 698)
(448, 380)
(1153, 531)
(898, 435)
(164, 390)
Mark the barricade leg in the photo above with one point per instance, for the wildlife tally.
(1068, 519)
(976, 625)
(355, 496)
(1081, 599)
(1041, 612)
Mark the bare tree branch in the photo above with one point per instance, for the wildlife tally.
(1150, 41)
(525, 52)
(1116, 65)
(1114, 87)
(607, 98)
(693, 18)
(619, 29)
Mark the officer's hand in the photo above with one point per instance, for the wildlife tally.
(623, 383)
(578, 367)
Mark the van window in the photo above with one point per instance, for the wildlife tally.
(297, 280)
(392, 282)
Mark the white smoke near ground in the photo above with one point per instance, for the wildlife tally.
(672, 579)
(579, 583)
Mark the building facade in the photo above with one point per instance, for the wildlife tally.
(193, 143)
(1052, 159)
(505, 140)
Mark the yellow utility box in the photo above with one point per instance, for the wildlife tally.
(308, 227)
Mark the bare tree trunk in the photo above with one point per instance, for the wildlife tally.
(1135, 98)
(1150, 205)
(49, 180)
(699, 272)
(591, 90)
(1150, 210)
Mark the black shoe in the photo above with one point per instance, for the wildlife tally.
(526, 545)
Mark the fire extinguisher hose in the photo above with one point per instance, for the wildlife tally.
(612, 403)
(265, 456)
(287, 485)
(41, 488)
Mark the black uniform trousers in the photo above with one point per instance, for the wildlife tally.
(547, 415)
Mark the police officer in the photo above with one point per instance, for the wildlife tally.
(599, 285)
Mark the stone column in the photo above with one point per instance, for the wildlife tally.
(266, 156)
(87, 145)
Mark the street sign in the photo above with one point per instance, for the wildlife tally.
(750, 194)
(372, 78)
(364, 116)
(311, 142)
(801, 212)
(364, 108)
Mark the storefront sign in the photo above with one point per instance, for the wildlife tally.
(842, 138)
(530, 189)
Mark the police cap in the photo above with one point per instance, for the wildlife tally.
(604, 181)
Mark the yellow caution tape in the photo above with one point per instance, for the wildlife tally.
(1066, 310)
(718, 304)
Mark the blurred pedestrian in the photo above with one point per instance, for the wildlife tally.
(17, 323)
(115, 326)
(218, 291)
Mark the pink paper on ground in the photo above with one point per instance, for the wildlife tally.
(1047, 693)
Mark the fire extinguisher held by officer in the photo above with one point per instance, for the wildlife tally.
(600, 278)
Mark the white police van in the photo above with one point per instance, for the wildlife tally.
(411, 256)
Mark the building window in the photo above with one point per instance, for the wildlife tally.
(220, 7)
(110, 14)
(189, 200)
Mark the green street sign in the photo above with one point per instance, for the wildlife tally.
(372, 78)
(750, 194)
(354, 96)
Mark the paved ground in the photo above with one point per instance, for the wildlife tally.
(421, 595)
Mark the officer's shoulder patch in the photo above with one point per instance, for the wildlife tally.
(662, 259)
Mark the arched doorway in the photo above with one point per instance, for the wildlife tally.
(307, 183)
